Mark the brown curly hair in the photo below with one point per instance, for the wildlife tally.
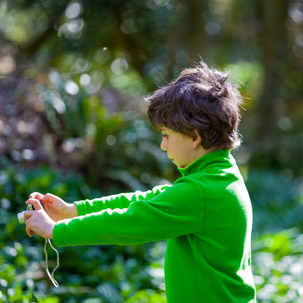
(201, 99)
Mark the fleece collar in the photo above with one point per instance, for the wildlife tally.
(216, 157)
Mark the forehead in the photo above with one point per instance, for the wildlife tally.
(164, 129)
(169, 131)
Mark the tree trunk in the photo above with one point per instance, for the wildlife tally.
(273, 43)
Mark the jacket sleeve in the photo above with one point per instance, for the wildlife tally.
(174, 212)
(123, 200)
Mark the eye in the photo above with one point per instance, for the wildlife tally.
(164, 135)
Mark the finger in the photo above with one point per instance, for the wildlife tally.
(48, 198)
(29, 223)
(29, 231)
(35, 195)
(30, 202)
(27, 215)
(36, 203)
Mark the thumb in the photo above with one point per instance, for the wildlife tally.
(35, 195)
(48, 198)
(36, 204)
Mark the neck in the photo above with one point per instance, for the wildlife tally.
(200, 152)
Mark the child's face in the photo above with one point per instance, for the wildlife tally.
(180, 149)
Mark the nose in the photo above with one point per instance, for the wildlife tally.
(163, 145)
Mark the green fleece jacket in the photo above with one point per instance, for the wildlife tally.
(206, 218)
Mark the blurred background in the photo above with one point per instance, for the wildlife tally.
(73, 75)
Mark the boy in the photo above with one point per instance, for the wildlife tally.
(205, 216)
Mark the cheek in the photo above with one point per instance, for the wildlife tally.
(164, 144)
(182, 152)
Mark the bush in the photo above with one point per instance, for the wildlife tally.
(277, 242)
(98, 273)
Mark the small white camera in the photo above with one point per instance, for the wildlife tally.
(21, 215)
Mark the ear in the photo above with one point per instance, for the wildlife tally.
(197, 141)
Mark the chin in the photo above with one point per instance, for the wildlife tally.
(183, 165)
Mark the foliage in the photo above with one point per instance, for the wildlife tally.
(85, 134)
(277, 201)
(277, 263)
(100, 274)
(96, 136)
(277, 243)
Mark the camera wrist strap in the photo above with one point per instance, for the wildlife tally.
(51, 276)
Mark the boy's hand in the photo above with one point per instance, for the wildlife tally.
(55, 207)
(37, 221)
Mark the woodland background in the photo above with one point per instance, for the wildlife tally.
(73, 75)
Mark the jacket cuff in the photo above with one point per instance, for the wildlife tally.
(80, 207)
(58, 232)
